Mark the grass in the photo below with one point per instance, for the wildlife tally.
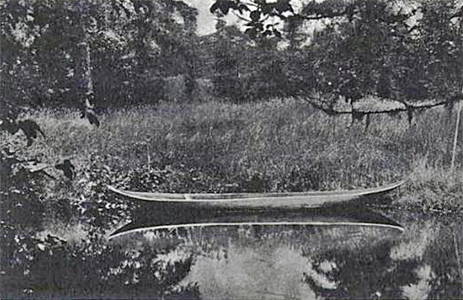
(280, 145)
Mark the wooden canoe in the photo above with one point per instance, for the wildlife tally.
(159, 217)
(260, 200)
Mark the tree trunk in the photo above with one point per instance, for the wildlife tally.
(455, 136)
(89, 91)
(85, 25)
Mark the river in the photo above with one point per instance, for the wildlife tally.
(319, 262)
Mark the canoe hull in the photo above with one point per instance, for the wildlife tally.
(259, 200)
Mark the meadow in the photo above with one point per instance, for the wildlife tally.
(279, 145)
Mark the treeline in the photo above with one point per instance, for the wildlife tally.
(367, 48)
(115, 52)
(125, 52)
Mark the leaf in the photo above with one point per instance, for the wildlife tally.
(268, 8)
(9, 125)
(283, 5)
(67, 168)
(255, 16)
(251, 32)
(214, 7)
(277, 33)
(127, 12)
(243, 7)
(9, 154)
(267, 33)
(92, 118)
(30, 129)
(222, 5)
(225, 9)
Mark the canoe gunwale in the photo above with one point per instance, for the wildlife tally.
(241, 197)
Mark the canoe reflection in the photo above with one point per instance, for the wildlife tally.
(163, 216)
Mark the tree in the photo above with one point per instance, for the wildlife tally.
(357, 58)
(117, 51)
(227, 48)
(440, 43)
(374, 48)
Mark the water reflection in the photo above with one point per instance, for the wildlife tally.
(316, 263)
(270, 273)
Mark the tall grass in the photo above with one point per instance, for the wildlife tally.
(280, 145)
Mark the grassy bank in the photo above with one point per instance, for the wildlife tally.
(269, 146)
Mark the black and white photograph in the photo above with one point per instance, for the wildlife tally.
(231, 149)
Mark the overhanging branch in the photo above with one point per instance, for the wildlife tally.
(329, 109)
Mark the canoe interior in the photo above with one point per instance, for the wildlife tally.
(241, 197)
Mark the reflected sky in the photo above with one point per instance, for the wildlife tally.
(272, 273)
(318, 263)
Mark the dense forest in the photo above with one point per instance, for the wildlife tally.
(56, 53)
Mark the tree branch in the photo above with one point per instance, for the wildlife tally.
(329, 109)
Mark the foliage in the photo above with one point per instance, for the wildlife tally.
(37, 263)
(441, 45)
(52, 267)
(363, 48)
(57, 52)
(52, 50)
(359, 54)
(227, 48)
(271, 73)
(121, 52)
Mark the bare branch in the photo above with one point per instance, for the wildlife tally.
(330, 110)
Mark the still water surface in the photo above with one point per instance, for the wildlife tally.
(303, 262)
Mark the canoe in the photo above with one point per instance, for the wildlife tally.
(260, 200)
(162, 217)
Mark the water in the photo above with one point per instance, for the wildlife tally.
(303, 262)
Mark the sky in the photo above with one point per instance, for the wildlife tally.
(206, 20)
